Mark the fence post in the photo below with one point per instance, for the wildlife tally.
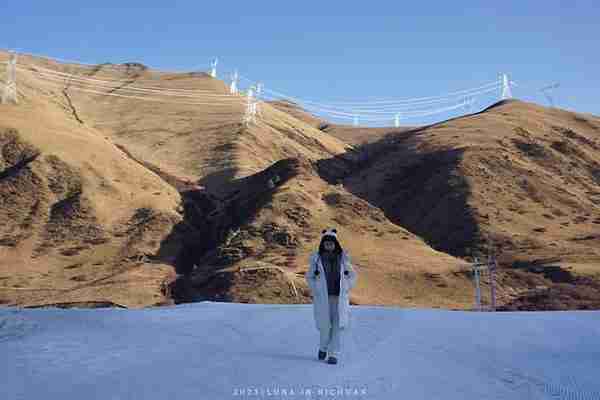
(477, 286)
(492, 268)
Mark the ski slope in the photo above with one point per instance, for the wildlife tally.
(214, 350)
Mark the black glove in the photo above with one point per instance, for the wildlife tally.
(316, 272)
(346, 272)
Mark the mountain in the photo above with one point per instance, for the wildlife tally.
(141, 193)
(516, 178)
(77, 215)
(125, 185)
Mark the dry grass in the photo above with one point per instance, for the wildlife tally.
(91, 210)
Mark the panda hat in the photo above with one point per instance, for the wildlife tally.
(330, 234)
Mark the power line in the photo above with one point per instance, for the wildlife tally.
(135, 91)
(356, 110)
(458, 93)
(64, 75)
(391, 109)
(388, 110)
(405, 113)
(147, 98)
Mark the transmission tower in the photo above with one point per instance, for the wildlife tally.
(250, 114)
(9, 94)
(548, 96)
(213, 67)
(469, 104)
(259, 89)
(506, 92)
(233, 89)
(397, 120)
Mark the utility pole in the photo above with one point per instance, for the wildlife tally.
(9, 94)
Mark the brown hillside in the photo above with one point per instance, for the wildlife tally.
(269, 231)
(100, 199)
(194, 138)
(518, 176)
(77, 216)
(297, 112)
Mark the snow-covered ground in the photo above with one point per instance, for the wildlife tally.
(213, 350)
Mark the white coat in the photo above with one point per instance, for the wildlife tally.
(318, 287)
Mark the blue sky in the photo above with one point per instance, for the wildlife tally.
(334, 50)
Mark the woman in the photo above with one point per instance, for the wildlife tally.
(330, 277)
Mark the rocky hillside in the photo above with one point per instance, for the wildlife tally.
(122, 185)
(117, 197)
(519, 178)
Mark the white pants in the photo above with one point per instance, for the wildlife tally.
(330, 340)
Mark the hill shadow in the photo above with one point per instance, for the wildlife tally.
(424, 192)
(207, 223)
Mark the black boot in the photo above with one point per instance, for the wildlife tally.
(322, 355)
(332, 360)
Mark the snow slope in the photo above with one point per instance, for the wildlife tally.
(213, 350)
